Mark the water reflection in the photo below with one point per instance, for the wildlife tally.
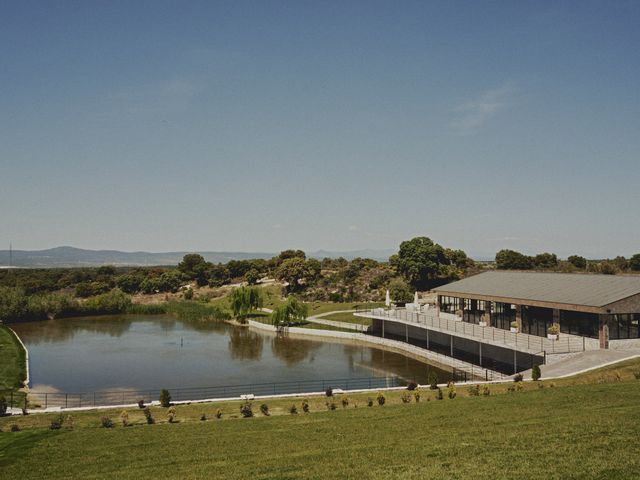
(293, 350)
(245, 344)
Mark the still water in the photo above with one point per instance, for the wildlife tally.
(150, 352)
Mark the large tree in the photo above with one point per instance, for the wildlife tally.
(634, 262)
(511, 260)
(577, 261)
(421, 262)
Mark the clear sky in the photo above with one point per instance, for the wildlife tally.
(260, 126)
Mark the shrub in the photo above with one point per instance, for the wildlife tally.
(264, 409)
(3, 406)
(405, 397)
(439, 395)
(474, 390)
(412, 386)
(416, 395)
(554, 329)
(218, 413)
(345, 402)
(485, 391)
(106, 422)
(511, 388)
(331, 406)
(381, 398)
(69, 422)
(188, 294)
(433, 380)
(147, 416)
(514, 324)
(293, 410)
(14, 427)
(141, 403)
(165, 398)
(636, 374)
(535, 373)
(245, 410)
(57, 423)
(518, 377)
(171, 415)
(124, 418)
(519, 387)
(451, 392)
(369, 402)
(305, 406)
(329, 392)
(203, 418)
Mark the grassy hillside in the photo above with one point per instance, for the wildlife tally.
(575, 430)
(12, 360)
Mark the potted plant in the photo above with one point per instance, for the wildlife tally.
(514, 327)
(483, 320)
(553, 332)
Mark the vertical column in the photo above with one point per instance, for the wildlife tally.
(603, 331)
(487, 313)
(556, 316)
(519, 317)
(438, 304)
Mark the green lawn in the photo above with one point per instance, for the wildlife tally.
(12, 360)
(347, 318)
(568, 429)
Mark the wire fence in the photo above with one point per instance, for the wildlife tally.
(42, 399)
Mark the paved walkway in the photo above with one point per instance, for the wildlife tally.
(582, 362)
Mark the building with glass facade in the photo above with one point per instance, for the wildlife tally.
(606, 307)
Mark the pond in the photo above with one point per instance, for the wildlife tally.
(137, 352)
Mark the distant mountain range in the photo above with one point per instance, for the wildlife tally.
(78, 257)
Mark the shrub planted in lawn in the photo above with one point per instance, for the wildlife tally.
(535, 373)
(15, 427)
(305, 406)
(106, 422)
(245, 410)
(416, 395)
(264, 409)
(433, 380)
(439, 395)
(171, 415)
(57, 423)
(165, 398)
(218, 413)
(345, 402)
(381, 398)
(405, 397)
(203, 417)
(485, 391)
(293, 410)
(147, 416)
(412, 386)
(141, 403)
(518, 377)
(369, 402)
(329, 392)
(124, 418)
(331, 406)
(474, 390)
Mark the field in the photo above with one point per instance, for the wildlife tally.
(12, 360)
(585, 427)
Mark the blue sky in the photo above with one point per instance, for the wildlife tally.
(321, 125)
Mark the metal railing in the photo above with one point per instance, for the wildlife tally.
(520, 341)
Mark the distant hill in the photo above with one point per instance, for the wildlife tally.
(78, 257)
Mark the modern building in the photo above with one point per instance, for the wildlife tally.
(606, 307)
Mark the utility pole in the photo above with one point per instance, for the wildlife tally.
(10, 255)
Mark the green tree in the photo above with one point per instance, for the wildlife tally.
(546, 260)
(13, 303)
(400, 292)
(244, 300)
(252, 277)
(634, 262)
(294, 271)
(578, 261)
(511, 260)
(421, 261)
(292, 311)
(195, 267)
